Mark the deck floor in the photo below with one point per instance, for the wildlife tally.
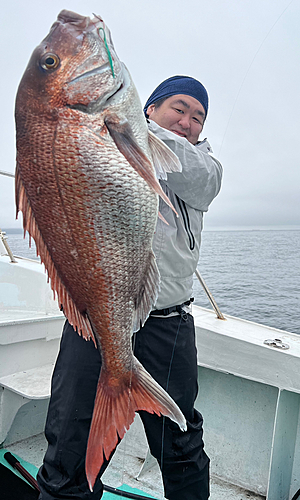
(125, 467)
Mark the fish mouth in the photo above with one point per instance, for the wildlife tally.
(109, 98)
(94, 106)
(92, 68)
(96, 71)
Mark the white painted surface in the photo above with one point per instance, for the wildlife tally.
(30, 330)
(24, 291)
(30, 384)
(236, 346)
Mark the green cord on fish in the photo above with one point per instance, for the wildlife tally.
(108, 51)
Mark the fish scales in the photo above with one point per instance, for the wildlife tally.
(86, 185)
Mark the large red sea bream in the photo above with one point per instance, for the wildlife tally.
(86, 185)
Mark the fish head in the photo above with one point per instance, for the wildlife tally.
(75, 66)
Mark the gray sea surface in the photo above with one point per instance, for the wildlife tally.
(254, 275)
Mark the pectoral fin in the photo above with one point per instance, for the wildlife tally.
(125, 141)
(161, 217)
(164, 159)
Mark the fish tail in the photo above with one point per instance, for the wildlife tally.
(114, 412)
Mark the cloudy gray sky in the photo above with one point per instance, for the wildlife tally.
(246, 52)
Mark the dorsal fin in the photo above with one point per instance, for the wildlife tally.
(80, 322)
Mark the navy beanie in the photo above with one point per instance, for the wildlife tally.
(179, 85)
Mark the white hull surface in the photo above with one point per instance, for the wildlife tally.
(249, 392)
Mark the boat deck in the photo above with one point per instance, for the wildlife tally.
(249, 393)
(125, 467)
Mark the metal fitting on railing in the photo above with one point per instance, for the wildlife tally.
(3, 238)
(276, 343)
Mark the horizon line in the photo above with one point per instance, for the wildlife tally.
(286, 227)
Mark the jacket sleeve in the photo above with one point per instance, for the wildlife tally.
(200, 180)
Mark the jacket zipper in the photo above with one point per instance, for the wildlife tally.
(186, 221)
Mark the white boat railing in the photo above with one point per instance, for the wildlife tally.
(3, 239)
(210, 296)
(7, 174)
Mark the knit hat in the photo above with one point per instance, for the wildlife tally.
(179, 85)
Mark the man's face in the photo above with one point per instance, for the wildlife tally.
(182, 114)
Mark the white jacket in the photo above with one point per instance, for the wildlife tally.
(177, 245)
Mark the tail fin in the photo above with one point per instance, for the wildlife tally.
(114, 412)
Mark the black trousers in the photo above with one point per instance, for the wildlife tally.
(166, 348)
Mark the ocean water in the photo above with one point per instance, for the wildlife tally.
(254, 275)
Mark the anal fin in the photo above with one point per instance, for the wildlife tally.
(147, 293)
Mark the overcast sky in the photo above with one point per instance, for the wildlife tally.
(246, 53)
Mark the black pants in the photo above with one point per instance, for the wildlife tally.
(166, 348)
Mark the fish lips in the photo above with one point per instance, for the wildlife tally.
(90, 90)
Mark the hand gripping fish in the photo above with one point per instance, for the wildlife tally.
(86, 185)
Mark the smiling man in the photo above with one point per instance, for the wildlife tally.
(179, 104)
(176, 111)
(181, 114)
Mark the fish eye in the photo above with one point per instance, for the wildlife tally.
(50, 61)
